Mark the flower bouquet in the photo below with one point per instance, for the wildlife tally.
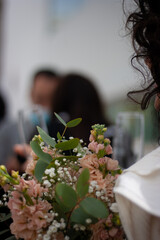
(66, 191)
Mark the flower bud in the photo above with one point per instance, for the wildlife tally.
(107, 141)
(93, 132)
(100, 137)
(3, 181)
(15, 174)
(3, 168)
(104, 129)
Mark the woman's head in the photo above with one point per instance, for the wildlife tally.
(144, 25)
(77, 96)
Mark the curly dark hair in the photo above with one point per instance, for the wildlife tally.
(144, 26)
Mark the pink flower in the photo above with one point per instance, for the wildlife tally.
(102, 161)
(104, 235)
(28, 219)
(97, 229)
(95, 147)
(108, 149)
(89, 161)
(96, 175)
(111, 164)
(91, 138)
(30, 167)
(109, 221)
(113, 232)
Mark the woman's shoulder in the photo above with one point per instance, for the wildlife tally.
(140, 183)
(149, 164)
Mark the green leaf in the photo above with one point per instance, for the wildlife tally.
(11, 238)
(4, 231)
(60, 119)
(74, 123)
(4, 217)
(80, 216)
(39, 169)
(67, 145)
(46, 138)
(82, 183)
(38, 151)
(66, 196)
(59, 136)
(94, 207)
(57, 208)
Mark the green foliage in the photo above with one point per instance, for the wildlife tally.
(59, 136)
(45, 157)
(60, 119)
(4, 217)
(39, 169)
(46, 138)
(83, 183)
(94, 207)
(11, 238)
(74, 123)
(79, 216)
(67, 145)
(66, 197)
(4, 231)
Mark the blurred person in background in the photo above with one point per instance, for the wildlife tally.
(76, 96)
(44, 83)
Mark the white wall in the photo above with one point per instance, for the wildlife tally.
(91, 41)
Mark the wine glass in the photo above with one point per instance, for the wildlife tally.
(128, 143)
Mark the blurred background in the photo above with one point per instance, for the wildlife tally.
(86, 36)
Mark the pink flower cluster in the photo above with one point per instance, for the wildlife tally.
(28, 218)
(96, 147)
(100, 232)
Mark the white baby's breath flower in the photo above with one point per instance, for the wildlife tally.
(114, 207)
(98, 193)
(83, 228)
(47, 183)
(71, 137)
(79, 154)
(57, 163)
(88, 220)
(66, 238)
(90, 189)
(93, 183)
(75, 150)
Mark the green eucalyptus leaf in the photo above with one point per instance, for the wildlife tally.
(83, 183)
(67, 145)
(60, 119)
(39, 169)
(38, 151)
(59, 136)
(46, 138)
(94, 207)
(66, 196)
(79, 216)
(74, 123)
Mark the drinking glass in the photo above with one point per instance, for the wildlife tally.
(28, 120)
(128, 143)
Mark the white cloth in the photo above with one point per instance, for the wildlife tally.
(138, 196)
